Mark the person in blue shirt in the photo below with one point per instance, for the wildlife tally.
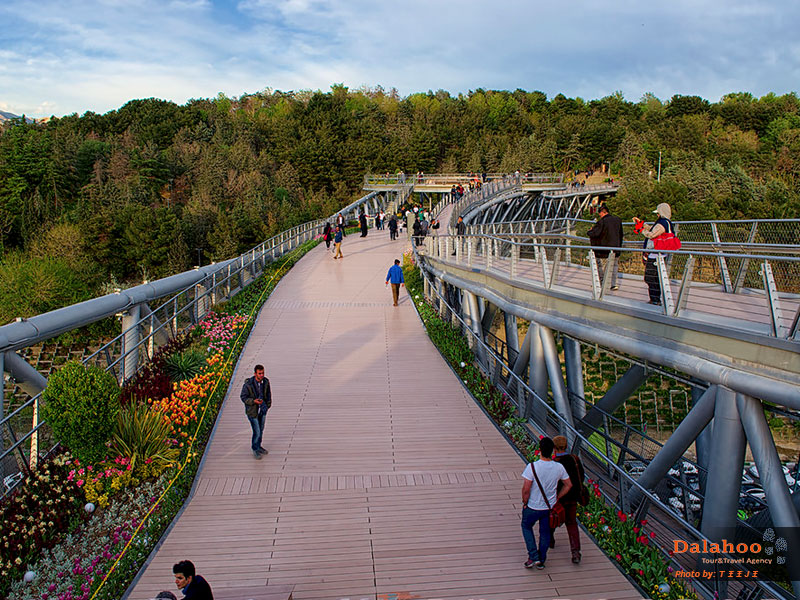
(395, 277)
(337, 243)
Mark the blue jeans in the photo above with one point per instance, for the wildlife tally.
(257, 424)
(529, 518)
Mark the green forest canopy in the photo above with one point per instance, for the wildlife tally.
(135, 192)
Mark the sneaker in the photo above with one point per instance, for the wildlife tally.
(262, 451)
(257, 454)
(529, 564)
(539, 565)
(655, 303)
(614, 288)
(576, 557)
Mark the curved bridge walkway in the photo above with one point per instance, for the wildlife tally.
(384, 480)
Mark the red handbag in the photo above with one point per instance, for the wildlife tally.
(666, 241)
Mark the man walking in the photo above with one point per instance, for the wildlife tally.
(539, 493)
(257, 398)
(607, 232)
(340, 224)
(337, 244)
(461, 230)
(393, 227)
(395, 277)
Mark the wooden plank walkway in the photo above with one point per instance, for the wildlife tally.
(384, 480)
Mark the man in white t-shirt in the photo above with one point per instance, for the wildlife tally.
(534, 506)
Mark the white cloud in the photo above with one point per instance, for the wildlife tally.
(71, 57)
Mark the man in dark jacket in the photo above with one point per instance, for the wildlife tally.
(257, 398)
(461, 230)
(607, 232)
(192, 585)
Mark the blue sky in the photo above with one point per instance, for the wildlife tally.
(61, 56)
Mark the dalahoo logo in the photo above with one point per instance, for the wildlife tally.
(752, 555)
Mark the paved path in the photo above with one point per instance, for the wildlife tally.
(384, 480)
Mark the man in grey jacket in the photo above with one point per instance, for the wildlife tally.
(257, 398)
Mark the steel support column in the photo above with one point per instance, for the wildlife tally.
(557, 387)
(702, 444)
(677, 444)
(487, 317)
(614, 398)
(475, 324)
(574, 367)
(130, 342)
(725, 471)
(512, 334)
(770, 469)
(537, 379)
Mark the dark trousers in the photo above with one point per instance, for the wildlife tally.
(652, 281)
(393, 234)
(529, 519)
(257, 424)
(571, 523)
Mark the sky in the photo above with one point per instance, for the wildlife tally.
(60, 57)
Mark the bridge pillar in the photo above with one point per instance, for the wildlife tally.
(702, 444)
(557, 386)
(614, 398)
(474, 321)
(574, 367)
(512, 335)
(537, 377)
(770, 471)
(130, 342)
(725, 471)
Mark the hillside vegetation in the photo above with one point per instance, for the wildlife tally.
(88, 201)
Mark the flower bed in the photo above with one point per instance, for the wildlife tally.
(614, 532)
(137, 489)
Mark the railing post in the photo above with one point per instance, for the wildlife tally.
(514, 259)
(130, 342)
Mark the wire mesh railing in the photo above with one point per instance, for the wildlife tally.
(23, 434)
(690, 282)
(545, 179)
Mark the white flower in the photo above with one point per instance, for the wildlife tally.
(462, 364)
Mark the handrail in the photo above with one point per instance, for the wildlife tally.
(456, 178)
(184, 305)
(535, 261)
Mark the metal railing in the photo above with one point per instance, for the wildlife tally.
(554, 179)
(570, 263)
(572, 190)
(123, 355)
(751, 233)
(604, 459)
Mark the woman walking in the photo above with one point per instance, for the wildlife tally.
(570, 500)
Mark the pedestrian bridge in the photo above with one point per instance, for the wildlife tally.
(384, 478)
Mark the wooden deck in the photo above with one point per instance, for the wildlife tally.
(384, 480)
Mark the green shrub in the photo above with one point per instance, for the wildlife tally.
(142, 434)
(80, 404)
(184, 365)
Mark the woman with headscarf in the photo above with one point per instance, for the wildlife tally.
(662, 229)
